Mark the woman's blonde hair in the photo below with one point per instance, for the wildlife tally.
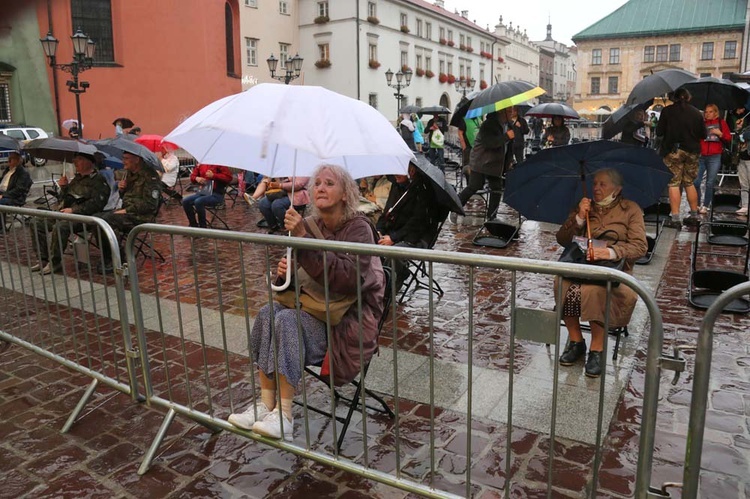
(351, 190)
(712, 106)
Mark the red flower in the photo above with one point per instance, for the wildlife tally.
(419, 72)
(429, 74)
(482, 84)
(443, 41)
(442, 78)
(500, 58)
(451, 43)
(451, 79)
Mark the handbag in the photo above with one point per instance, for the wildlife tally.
(574, 254)
(206, 189)
(312, 294)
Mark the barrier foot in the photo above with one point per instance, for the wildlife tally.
(79, 407)
(151, 453)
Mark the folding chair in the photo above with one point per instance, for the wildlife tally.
(655, 215)
(497, 234)
(142, 245)
(356, 400)
(418, 276)
(216, 218)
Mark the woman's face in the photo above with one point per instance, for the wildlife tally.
(328, 193)
(557, 121)
(603, 187)
(710, 113)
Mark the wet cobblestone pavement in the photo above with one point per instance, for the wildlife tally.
(101, 453)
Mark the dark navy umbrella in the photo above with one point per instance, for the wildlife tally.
(726, 94)
(445, 193)
(548, 185)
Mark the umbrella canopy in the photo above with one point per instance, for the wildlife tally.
(709, 90)
(502, 95)
(409, 109)
(153, 142)
(659, 84)
(286, 130)
(548, 185)
(620, 117)
(550, 109)
(125, 122)
(434, 110)
(68, 124)
(9, 143)
(58, 149)
(119, 145)
(445, 193)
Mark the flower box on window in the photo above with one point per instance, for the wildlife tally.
(443, 41)
(374, 64)
(419, 72)
(321, 19)
(373, 20)
(486, 55)
(405, 68)
(451, 43)
(429, 74)
(462, 47)
(451, 79)
(404, 29)
(482, 84)
(469, 49)
(500, 58)
(442, 77)
(323, 63)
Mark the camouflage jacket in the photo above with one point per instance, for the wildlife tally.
(86, 194)
(142, 194)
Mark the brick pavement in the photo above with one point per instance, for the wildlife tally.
(100, 454)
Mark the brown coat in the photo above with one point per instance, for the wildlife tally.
(621, 225)
(342, 276)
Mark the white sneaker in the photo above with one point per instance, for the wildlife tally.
(37, 267)
(247, 419)
(270, 426)
(250, 200)
(742, 211)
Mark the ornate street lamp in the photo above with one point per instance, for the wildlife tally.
(403, 80)
(292, 68)
(83, 59)
(465, 85)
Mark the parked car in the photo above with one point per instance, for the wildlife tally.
(24, 134)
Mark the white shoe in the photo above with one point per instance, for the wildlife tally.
(742, 211)
(247, 419)
(36, 268)
(702, 210)
(270, 426)
(250, 200)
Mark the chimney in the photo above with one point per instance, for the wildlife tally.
(440, 3)
(465, 14)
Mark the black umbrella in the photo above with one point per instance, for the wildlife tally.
(125, 122)
(462, 107)
(659, 84)
(550, 109)
(118, 145)
(445, 194)
(502, 95)
(548, 185)
(409, 109)
(9, 143)
(620, 117)
(709, 90)
(434, 110)
(58, 149)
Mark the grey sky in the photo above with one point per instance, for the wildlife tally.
(568, 16)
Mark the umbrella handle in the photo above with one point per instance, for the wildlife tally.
(288, 280)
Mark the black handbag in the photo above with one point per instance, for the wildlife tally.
(574, 254)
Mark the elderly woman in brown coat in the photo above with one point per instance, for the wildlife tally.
(619, 223)
(335, 218)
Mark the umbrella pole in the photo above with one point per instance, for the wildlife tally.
(590, 242)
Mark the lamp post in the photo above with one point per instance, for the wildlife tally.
(403, 80)
(83, 59)
(465, 85)
(292, 68)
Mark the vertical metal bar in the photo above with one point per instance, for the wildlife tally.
(470, 371)
(395, 375)
(363, 398)
(301, 341)
(113, 342)
(201, 330)
(511, 375)
(246, 314)
(331, 365)
(555, 385)
(431, 298)
(602, 383)
(222, 319)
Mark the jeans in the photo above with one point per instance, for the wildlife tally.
(710, 166)
(743, 173)
(437, 158)
(274, 211)
(196, 205)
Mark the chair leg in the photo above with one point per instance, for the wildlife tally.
(618, 332)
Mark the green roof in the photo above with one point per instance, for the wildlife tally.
(662, 17)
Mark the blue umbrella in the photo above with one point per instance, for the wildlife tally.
(548, 185)
(118, 145)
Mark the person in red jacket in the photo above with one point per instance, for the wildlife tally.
(213, 181)
(710, 160)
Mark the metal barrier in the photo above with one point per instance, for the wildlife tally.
(699, 399)
(193, 341)
(74, 315)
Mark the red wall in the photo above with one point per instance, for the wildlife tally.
(172, 61)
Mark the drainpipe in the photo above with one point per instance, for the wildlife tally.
(492, 64)
(54, 73)
(359, 83)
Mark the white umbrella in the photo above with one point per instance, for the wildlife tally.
(288, 130)
(602, 112)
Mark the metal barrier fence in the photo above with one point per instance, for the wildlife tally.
(699, 399)
(194, 313)
(74, 315)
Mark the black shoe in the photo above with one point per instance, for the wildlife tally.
(593, 364)
(692, 221)
(574, 351)
(674, 224)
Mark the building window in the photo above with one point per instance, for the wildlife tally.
(461, 71)
(322, 9)
(461, 40)
(373, 100)
(726, 75)
(94, 17)
(324, 53)
(283, 7)
(428, 63)
(372, 11)
(662, 51)
(704, 75)
(442, 33)
(428, 31)
(373, 52)
(612, 85)
(404, 58)
(450, 35)
(229, 33)
(283, 53)
(442, 66)
(404, 19)
(418, 61)
(5, 116)
(251, 48)
(481, 74)
(707, 51)
(468, 41)
(648, 53)
(730, 49)
(596, 85)
(674, 52)
(596, 57)
(419, 28)
(418, 102)
(614, 56)
(450, 67)
(251, 3)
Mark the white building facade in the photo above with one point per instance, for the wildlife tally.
(564, 68)
(519, 56)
